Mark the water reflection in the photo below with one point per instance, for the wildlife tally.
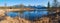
(28, 15)
(12, 14)
(34, 14)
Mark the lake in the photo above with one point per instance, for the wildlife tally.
(27, 14)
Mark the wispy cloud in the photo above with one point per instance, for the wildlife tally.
(25, 2)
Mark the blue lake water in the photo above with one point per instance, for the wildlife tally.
(27, 14)
(12, 14)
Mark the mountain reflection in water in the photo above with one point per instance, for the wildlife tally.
(31, 15)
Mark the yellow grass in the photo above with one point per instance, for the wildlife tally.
(14, 20)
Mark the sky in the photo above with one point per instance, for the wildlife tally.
(25, 2)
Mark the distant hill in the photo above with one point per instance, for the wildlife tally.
(36, 7)
(40, 7)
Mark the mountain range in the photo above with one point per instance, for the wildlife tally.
(29, 6)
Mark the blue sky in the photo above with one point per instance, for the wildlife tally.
(25, 2)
